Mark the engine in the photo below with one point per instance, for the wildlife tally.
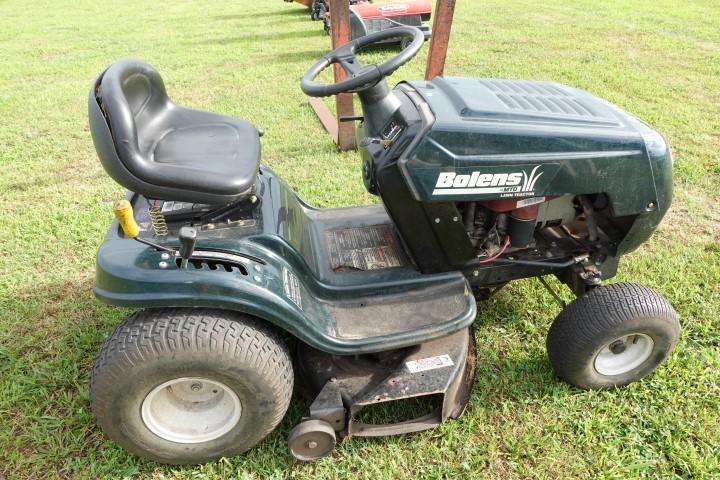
(496, 227)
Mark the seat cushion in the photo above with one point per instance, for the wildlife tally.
(161, 150)
(202, 151)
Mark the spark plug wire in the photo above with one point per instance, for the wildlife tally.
(502, 250)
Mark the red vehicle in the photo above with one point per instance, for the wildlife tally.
(367, 17)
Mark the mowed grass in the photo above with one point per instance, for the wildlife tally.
(657, 59)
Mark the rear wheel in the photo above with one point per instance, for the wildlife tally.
(190, 385)
(613, 335)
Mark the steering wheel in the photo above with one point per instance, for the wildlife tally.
(359, 76)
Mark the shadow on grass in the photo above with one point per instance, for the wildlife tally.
(299, 56)
(264, 36)
(48, 350)
(286, 12)
(46, 369)
(46, 355)
(51, 179)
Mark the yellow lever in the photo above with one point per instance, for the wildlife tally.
(124, 213)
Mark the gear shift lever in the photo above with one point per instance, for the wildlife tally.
(188, 238)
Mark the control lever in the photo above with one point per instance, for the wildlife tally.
(188, 238)
(187, 235)
(124, 213)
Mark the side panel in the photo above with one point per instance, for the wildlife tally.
(433, 233)
(563, 165)
(661, 161)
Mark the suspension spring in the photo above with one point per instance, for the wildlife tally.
(158, 221)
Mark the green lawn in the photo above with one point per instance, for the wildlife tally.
(658, 59)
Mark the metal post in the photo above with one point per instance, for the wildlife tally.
(342, 132)
(442, 23)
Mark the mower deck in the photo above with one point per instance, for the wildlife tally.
(441, 372)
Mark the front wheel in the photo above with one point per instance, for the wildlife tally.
(613, 335)
(186, 386)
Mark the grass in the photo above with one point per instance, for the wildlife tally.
(658, 59)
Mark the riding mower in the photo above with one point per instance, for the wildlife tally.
(245, 290)
(366, 17)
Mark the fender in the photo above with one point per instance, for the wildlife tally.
(131, 275)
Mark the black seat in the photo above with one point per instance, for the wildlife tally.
(163, 151)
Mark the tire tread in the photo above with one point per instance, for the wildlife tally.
(602, 309)
(152, 333)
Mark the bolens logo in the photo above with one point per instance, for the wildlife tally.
(505, 184)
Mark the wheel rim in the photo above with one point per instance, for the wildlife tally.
(191, 410)
(624, 354)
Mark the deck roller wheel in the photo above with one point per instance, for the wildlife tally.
(311, 439)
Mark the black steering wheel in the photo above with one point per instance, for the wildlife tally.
(359, 76)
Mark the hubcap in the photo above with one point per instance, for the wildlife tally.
(191, 410)
(624, 354)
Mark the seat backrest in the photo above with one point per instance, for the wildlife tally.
(125, 97)
(132, 94)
